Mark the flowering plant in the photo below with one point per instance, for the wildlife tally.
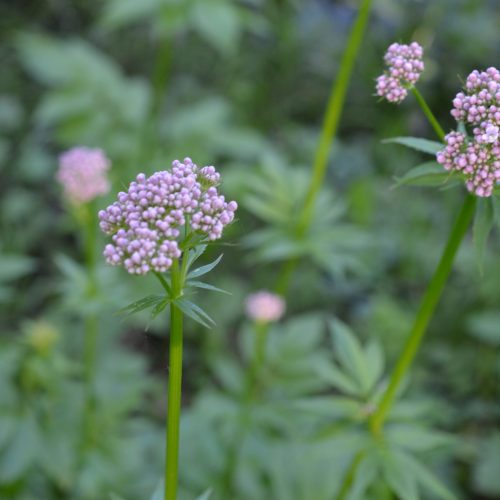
(164, 223)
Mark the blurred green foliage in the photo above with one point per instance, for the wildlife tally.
(243, 85)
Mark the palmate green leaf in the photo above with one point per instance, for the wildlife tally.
(423, 145)
(400, 480)
(144, 303)
(331, 374)
(417, 438)
(366, 473)
(206, 286)
(195, 312)
(427, 174)
(219, 22)
(266, 209)
(201, 271)
(350, 354)
(425, 478)
(483, 224)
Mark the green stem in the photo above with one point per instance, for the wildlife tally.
(91, 325)
(349, 475)
(328, 132)
(91, 330)
(429, 114)
(427, 308)
(174, 388)
(333, 113)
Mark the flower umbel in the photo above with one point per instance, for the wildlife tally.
(146, 221)
(264, 306)
(405, 66)
(478, 157)
(82, 173)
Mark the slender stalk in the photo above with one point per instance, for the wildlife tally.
(333, 113)
(328, 132)
(429, 114)
(427, 308)
(349, 475)
(432, 295)
(174, 389)
(91, 325)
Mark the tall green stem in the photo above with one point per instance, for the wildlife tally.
(91, 325)
(429, 114)
(174, 388)
(427, 308)
(432, 295)
(328, 132)
(333, 112)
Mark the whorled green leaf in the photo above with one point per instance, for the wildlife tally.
(427, 174)
(425, 477)
(423, 145)
(399, 478)
(194, 312)
(205, 286)
(200, 271)
(144, 303)
(341, 381)
(350, 354)
(366, 473)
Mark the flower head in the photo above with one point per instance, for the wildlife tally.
(478, 157)
(404, 67)
(145, 223)
(82, 173)
(264, 306)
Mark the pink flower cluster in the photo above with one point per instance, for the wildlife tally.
(82, 173)
(405, 66)
(478, 158)
(145, 222)
(264, 307)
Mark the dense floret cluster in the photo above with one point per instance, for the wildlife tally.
(477, 158)
(264, 307)
(145, 223)
(404, 67)
(82, 174)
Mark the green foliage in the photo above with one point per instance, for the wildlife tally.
(423, 145)
(275, 196)
(243, 85)
(427, 174)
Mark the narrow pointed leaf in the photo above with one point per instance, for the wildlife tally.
(195, 312)
(427, 174)
(140, 305)
(206, 286)
(158, 308)
(195, 254)
(200, 271)
(424, 145)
